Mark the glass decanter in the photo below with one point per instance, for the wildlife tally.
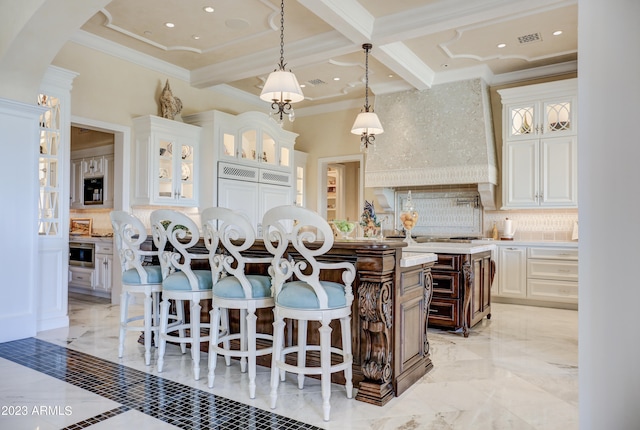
(408, 218)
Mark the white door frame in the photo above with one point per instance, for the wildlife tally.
(323, 163)
(121, 179)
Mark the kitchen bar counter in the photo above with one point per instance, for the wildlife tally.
(392, 293)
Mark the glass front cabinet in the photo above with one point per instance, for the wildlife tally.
(166, 153)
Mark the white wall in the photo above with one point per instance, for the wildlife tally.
(609, 176)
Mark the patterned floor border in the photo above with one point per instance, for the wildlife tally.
(174, 403)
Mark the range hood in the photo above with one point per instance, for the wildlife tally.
(440, 136)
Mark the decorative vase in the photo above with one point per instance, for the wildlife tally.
(408, 218)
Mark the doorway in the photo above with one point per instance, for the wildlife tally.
(349, 181)
(121, 136)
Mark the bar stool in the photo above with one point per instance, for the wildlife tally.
(307, 298)
(180, 281)
(233, 289)
(129, 233)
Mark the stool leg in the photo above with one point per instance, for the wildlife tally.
(181, 332)
(325, 362)
(155, 323)
(147, 325)
(195, 337)
(243, 339)
(302, 350)
(224, 327)
(214, 317)
(124, 309)
(347, 355)
(251, 335)
(278, 338)
(164, 320)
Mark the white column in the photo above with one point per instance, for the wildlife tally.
(609, 213)
(18, 218)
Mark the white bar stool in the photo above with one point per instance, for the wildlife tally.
(307, 298)
(233, 289)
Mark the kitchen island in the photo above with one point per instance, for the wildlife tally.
(392, 291)
(462, 278)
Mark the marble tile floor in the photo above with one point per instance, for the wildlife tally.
(517, 370)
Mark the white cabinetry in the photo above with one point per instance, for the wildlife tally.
(167, 156)
(250, 164)
(512, 271)
(537, 275)
(103, 267)
(540, 145)
(97, 280)
(300, 171)
(92, 180)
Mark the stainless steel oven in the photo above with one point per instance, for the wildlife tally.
(82, 254)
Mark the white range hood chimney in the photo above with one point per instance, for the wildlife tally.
(440, 136)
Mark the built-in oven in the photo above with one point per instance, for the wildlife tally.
(82, 254)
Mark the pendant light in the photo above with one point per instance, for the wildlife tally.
(367, 124)
(281, 87)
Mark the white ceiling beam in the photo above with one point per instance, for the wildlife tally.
(298, 54)
(347, 16)
(406, 64)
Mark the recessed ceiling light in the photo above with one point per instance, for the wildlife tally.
(169, 24)
(557, 32)
(195, 37)
(336, 79)
(389, 76)
(302, 85)
(501, 45)
(444, 66)
(208, 9)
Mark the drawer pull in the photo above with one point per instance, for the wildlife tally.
(435, 284)
(433, 311)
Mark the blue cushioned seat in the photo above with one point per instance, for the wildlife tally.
(154, 275)
(300, 295)
(229, 287)
(179, 281)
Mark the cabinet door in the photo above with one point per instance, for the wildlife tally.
(520, 121)
(76, 184)
(241, 196)
(104, 266)
(559, 116)
(521, 174)
(559, 161)
(512, 271)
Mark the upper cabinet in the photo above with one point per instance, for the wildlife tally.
(540, 146)
(250, 146)
(166, 154)
(251, 138)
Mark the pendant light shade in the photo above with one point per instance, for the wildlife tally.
(367, 124)
(281, 87)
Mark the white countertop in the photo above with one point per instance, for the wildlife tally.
(410, 259)
(451, 247)
(553, 243)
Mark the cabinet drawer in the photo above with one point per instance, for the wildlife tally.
(552, 290)
(81, 277)
(447, 262)
(553, 253)
(446, 285)
(443, 312)
(552, 269)
(104, 248)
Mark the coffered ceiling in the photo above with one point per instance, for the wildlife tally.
(416, 43)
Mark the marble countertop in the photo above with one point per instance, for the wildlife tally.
(94, 239)
(410, 259)
(554, 243)
(451, 248)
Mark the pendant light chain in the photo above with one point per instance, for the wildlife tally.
(367, 47)
(282, 35)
